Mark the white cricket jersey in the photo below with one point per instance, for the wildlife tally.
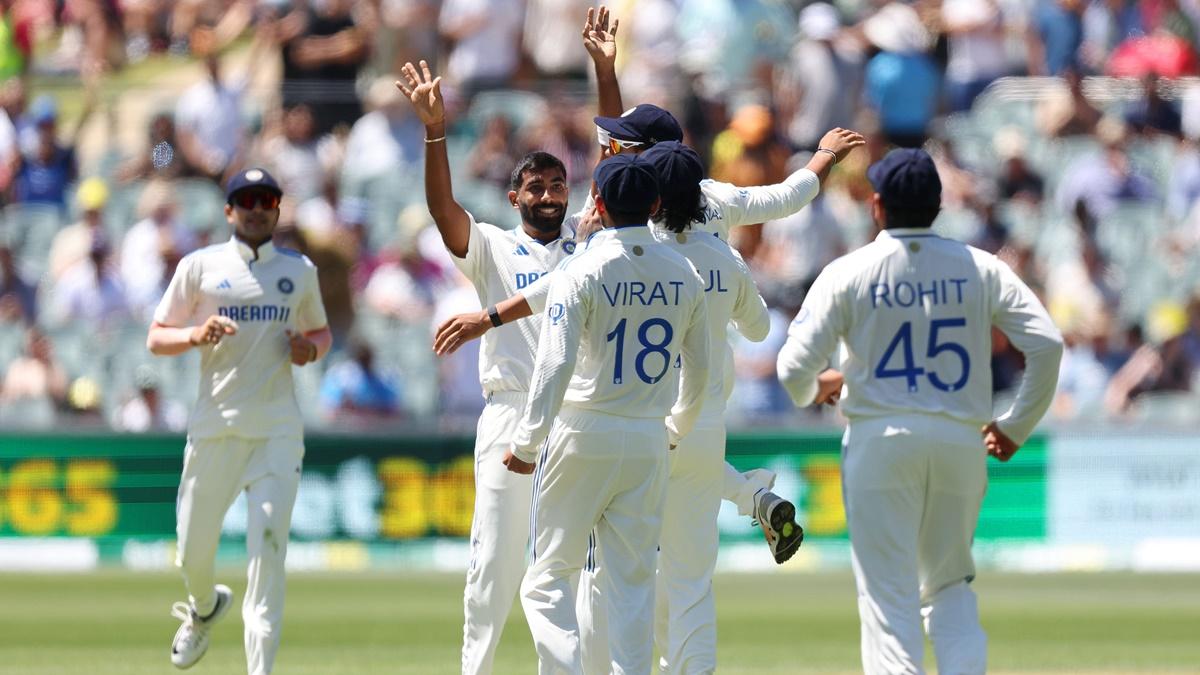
(501, 263)
(731, 294)
(618, 316)
(915, 313)
(245, 380)
(727, 206)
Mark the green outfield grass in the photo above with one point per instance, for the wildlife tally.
(118, 623)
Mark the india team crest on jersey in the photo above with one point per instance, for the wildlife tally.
(568, 247)
(556, 312)
(285, 286)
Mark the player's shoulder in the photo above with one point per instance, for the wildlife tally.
(206, 255)
(293, 257)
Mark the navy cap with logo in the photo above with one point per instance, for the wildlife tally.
(252, 178)
(626, 183)
(906, 179)
(679, 169)
(643, 122)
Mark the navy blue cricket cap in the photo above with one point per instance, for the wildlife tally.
(643, 122)
(679, 169)
(907, 179)
(251, 178)
(626, 183)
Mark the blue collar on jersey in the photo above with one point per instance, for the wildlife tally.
(265, 251)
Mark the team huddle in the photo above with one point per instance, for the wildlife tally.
(606, 367)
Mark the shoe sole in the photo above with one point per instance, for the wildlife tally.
(783, 522)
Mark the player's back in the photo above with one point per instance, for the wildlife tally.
(916, 311)
(640, 300)
(730, 296)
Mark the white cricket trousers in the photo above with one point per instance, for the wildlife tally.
(215, 470)
(912, 487)
(499, 533)
(608, 474)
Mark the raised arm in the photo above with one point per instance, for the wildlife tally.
(751, 205)
(601, 44)
(425, 93)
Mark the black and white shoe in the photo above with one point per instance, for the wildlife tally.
(777, 517)
(191, 640)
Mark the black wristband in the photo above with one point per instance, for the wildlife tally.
(494, 315)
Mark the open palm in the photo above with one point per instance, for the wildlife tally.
(424, 91)
(599, 40)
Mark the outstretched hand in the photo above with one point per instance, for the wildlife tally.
(424, 91)
(599, 40)
(459, 330)
(842, 142)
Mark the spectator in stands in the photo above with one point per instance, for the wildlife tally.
(494, 155)
(547, 23)
(485, 35)
(975, 32)
(1152, 113)
(729, 45)
(387, 140)
(1101, 181)
(1068, 113)
(152, 248)
(798, 247)
(1055, 36)
(1082, 375)
(396, 289)
(147, 410)
(648, 60)
(564, 130)
(1164, 364)
(459, 395)
(90, 293)
(34, 386)
(324, 45)
(757, 394)
(1017, 179)
(334, 251)
(18, 297)
(749, 153)
(294, 154)
(817, 89)
(16, 42)
(161, 158)
(355, 387)
(902, 83)
(72, 243)
(42, 174)
(208, 121)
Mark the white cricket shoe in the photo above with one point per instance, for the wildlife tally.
(777, 517)
(191, 640)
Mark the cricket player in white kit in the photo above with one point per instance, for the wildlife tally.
(618, 317)
(254, 311)
(498, 263)
(915, 312)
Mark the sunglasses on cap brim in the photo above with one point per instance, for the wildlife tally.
(247, 199)
(616, 145)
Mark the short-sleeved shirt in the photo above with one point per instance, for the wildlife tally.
(246, 385)
(501, 263)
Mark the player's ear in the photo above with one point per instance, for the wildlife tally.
(656, 205)
(600, 206)
(877, 213)
(229, 213)
(512, 199)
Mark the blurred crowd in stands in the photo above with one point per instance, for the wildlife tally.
(1066, 133)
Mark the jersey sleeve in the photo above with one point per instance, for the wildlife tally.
(1023, 319)
(562, 331)
(750, 205)
(179, 302)
(479, 245)
(750, 316)
(693, 371)
(537, 292)
(310, 313)
(812, 339)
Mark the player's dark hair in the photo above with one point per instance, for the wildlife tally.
(534, 161)
(628, 217)
(680, 208)
(905, 218)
